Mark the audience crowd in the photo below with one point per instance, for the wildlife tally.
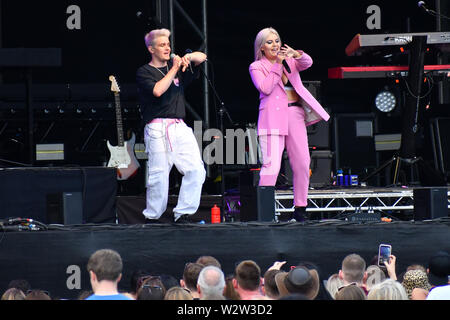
(204, 279)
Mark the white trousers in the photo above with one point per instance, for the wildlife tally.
(170, 143)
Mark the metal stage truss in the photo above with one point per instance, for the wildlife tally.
(350, 200)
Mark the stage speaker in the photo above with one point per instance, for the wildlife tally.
(430, 203)
(257, 203)
(321, 161)
(65, 208)
(354, 143)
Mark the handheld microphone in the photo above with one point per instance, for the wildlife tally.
(188, 51)
(286, 66)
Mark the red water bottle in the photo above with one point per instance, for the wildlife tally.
(215, 214)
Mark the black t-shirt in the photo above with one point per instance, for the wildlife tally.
(172, 103)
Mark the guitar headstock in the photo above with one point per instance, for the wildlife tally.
(114, 85)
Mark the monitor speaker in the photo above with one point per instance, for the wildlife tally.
(430, 203)
(257, 203)
(354, 143)
(65, 208)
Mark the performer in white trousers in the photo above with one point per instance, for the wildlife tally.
(169, 141)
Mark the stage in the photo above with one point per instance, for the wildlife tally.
(53, 257)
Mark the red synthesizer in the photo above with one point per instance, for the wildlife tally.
(384, 72)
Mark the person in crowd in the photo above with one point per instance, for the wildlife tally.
(299, 280)
(416, 279)
(350, 292)
(136, 280)
(285, 111)
(169, 141)
(353, 270)
(247, 280)
(105, 272)
(270, 288)
(333, 284)
(375, 275)
(178, 293)
(211, 284)
(190, 278)
(21, 284)
(439, 276)
(389, 289)
(38, 295)
(323, 292)
(13, 294)
(209, 261)
(230, 292)
(152, 289)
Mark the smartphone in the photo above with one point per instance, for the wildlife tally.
(384, 252)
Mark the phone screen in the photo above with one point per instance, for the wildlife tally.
(384, 254)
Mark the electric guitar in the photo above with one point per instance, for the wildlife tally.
(122, 157)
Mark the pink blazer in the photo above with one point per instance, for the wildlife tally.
(273, 110)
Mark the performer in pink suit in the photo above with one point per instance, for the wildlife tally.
(286, 109)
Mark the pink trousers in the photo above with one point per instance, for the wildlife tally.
(296, 143)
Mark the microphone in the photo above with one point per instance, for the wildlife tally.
(188, 51)
(421, 4)
(286, 66)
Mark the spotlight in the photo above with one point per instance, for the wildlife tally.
(385, 101)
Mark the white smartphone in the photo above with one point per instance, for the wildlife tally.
(384, 252)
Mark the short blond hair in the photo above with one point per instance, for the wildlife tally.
(261, 39)
(155, 34)
(389, 289)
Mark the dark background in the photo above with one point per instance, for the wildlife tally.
(111, 42)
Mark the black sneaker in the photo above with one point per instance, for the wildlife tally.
(151, 221)
(300, 214)
(184, 219)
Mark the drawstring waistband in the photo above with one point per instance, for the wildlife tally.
(167, 123)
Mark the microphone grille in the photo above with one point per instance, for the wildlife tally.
(172, 56)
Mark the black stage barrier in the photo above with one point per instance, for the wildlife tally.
(55, 260)
(30, 192)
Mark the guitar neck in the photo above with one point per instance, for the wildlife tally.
(120, 135)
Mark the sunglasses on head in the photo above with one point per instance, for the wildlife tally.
(143, 279)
